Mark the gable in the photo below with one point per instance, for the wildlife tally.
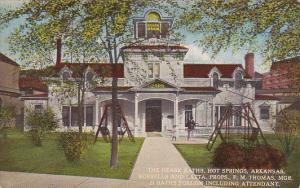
(158, 84)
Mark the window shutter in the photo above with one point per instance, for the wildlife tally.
(164, 30)
(141, 30)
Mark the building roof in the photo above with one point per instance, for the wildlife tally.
(155, 47)
(109, 88)
(203, 70)
(78, 69)
(32, 83)
(200, 89)
(286, 63)
(43, 96)
(6, 59)
(265, 97)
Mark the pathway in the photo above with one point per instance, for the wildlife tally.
(160, 160)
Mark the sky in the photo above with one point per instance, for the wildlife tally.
(194, 55)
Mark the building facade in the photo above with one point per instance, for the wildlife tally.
(9, 85)
(157, 89)
(283, 75)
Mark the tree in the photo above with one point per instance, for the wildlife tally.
(7, 113)
(51, 25)
(287, 129)
(111, 23)
(271, 24)
(106, 21)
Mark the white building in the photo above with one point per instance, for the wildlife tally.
(158, 90)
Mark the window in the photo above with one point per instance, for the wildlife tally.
(238, 80)
(70, 115)
(141, 30)
(74, 116)
(89, 76)
(153, 25)
(222, 111)
(38, 108)
(153, 70)
(150, 70)
(156, 70)
(264, 112)
(188, 113)
(164, 30)
(215, 78)
(66, 115)
(65, 75)
(89, 115)
(216, 114)
(238, 116)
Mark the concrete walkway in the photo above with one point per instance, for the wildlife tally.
(32, 180)
(159, 164)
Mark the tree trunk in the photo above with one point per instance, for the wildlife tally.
(79, 102)
(58, 50)
(114, 142)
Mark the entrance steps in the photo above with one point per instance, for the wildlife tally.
(154, 134)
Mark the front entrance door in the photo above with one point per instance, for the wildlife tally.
(153, 115)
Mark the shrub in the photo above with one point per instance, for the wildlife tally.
(232, 155)
(40, 123)
(265, 157)
(7, 114)
(73, 144)
(228, 155)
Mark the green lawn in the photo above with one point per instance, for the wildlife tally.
(18, 154)
(197, 156)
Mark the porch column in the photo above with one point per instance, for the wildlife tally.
(97, 112)
(176, 111)
(176, 116)
(136, 111)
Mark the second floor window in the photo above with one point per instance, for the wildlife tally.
(153, 70)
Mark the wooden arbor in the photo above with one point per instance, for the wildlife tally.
(123, 127)
(251, 128)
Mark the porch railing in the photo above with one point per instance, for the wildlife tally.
(197, 132)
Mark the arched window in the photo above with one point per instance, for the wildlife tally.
(153, 25)
(238, 80)
(215, 79)
(153, 16)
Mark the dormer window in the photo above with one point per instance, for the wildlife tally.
(238, 79)
(66, 75)
(215, 79)
(89, 76)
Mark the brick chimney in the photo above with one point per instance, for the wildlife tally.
(249, 64)
(58, 51)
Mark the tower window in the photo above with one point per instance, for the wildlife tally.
(153, 16)
(141, 30)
